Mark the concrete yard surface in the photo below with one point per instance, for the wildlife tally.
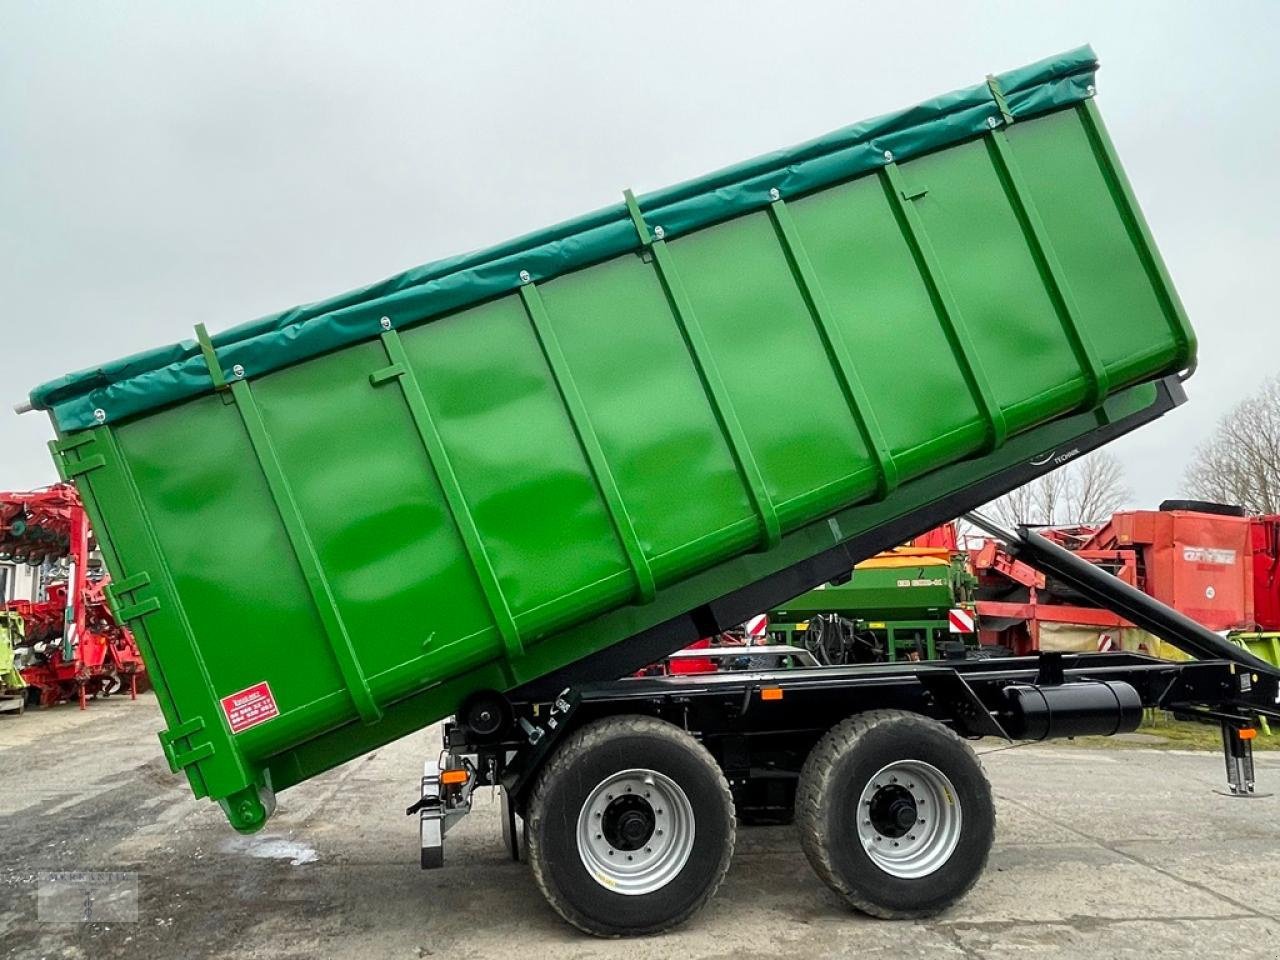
(1099, 854)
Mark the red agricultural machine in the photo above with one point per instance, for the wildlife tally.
(1210, 562)
(70, 645)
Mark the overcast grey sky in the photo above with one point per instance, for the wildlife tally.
(167, 163)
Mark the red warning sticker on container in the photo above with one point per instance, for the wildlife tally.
(250, 707)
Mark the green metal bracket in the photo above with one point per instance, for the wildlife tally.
(83, 466)
(118, 588)
(67, 468)
(997, 94)
(712, 380)
(386, 374)
(211, 358)
(72, 442)
(138, 610)
(168, 743)
(637, 218)
(580, 418)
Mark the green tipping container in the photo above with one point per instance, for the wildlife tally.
(329, 526)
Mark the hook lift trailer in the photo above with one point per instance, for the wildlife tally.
(871, 761)
(488, 485)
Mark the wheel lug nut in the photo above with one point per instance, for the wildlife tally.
(648, 849)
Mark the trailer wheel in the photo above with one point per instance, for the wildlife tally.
(895, 814)
(629, 827)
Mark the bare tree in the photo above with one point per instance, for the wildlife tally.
(1088, 490)
(1240, 462)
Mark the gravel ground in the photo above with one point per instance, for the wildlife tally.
(1098, 854)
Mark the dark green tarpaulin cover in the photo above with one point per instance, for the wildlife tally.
(162, 376)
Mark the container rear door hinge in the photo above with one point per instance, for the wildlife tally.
(178, 760)
(69, 469)
(116, 590)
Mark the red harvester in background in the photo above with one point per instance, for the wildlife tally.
(1207, 561)
(71, 645)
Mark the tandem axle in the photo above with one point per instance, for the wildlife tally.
(798, 743)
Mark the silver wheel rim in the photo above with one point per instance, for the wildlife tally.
(916, 849)
(614, 817)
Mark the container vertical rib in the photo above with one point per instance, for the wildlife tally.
(580, 418)
(836, 348)
(304, 549)
(948, 310)
(1131, 213)
(423, 422)
(1054, 276)
(712, 382)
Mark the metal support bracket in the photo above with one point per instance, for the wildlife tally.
(211, 358)
(1237, 752)
(973, 718)
(997, 94)
(168, 743)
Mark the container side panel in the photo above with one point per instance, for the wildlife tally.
(519, 464)
(1100, 255)
(769, 350)
(997, 282)
(375, 513)
(674, 470)
(232, 565)
(890, 323)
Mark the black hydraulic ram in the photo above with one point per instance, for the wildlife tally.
(1115, 595)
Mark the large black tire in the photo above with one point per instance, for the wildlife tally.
(830, 805)
(589, 757)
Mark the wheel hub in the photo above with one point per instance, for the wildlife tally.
(635, 831)
(893, 811)
(628, 822)
(909, 819)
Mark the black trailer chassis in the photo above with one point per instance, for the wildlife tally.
(786, 743)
